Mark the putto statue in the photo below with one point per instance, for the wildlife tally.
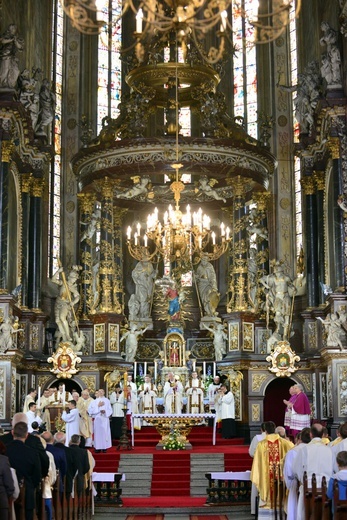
(10, 45)
(7, 331)
(141, 187)
(206, 281)
(219, 339)
(331, 61)
(206, 187)
(66, 300)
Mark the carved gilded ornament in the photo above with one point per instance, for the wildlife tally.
(37, 187)
(262, 199)
(283, 360)
(308, 185)
(34, 337)
(334, 147)
(113, 337)
(89, 382)
(64, 361)
(7, 148)
(306, 381)
(86, 202)
(248, 337)
(99, 337)
(319, 178)
(105, 187)
(257, 381)
(255, 412)
(25, 181)
(112, 378)
(233, 334)
(42, 380)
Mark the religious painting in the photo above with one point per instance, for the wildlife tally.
(248, 337)
(283, 360)
(233, 335)
(174, 350)
(64, 361)
(99, 337)
(113, 337)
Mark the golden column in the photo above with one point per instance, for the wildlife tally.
(35, 244)
(25, 184)
(261, 199)
(87, 239)
(6, 153)
(238, 285)
(106, 270)
(118, 292)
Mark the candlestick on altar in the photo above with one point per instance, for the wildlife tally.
(204, 369)
(38, 397)
(135, 371)
(145, 369)
(155, 371)
(64, 395)
(214, 369)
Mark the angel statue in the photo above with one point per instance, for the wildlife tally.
(206, 187)
(131, 336)
(7, 330)
(66, 300)
(219, 339)
(141, 186)
(334, 325)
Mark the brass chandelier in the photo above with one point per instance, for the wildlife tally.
(192, 19)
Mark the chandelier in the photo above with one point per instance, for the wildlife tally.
(192, 19)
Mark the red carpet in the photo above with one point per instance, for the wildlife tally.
(161, 502)
(171, 474)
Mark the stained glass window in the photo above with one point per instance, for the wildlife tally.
(297, 165)
(245, 71)
(55, 173)
(109, 61)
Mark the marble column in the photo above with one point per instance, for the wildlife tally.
(6, 152)
(35, 244)
(106, 270)
(311, 234)
(86, 208)
(238, 286)
(319, 178)
(118, 292)
(25, 188)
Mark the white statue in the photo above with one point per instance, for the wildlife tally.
(131, 336)
(134, 307)
(333, 324)
(10, 45)
(68, 297)
(141, 186)
(219, 339)
(206, 186)
(207, 286)
(254, 226)
(47, 107)
(6, 334)
(280, 292)
(143, 276)
(92, 225)
(28, 95)
(331, 61)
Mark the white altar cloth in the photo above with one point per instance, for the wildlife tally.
(231, 475)
(201, 416)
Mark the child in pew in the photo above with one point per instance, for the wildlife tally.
(340, 476)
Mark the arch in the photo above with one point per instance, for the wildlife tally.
(275, 392)
(70, 384)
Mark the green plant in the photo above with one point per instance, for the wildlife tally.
(173, 442)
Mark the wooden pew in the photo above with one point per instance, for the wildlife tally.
(307, 497)
(326, 502)
(339, 506)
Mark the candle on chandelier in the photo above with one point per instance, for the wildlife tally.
(223, 19)
(222, 229)
(228, 233)
(145, 240)
(213, 235)
(129, 233)
(135, 239)
(139, 20)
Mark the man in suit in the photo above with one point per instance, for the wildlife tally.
(27, 465)
(32, 441)
(81, 463)
(58, 454)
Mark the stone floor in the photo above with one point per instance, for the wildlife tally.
(239, 512)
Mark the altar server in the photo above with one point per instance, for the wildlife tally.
(101, 410)
(71, 417)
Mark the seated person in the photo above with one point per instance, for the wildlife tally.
(340, 476)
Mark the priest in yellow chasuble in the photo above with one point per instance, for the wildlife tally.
(267, 468)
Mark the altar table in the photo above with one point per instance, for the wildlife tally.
(195, 417)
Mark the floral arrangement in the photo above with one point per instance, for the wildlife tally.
(173, 442)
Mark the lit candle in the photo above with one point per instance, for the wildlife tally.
(223, 19)
(139, 20)
(125, 379)
(204, 369)
(129, 233)
(145, 239)
(38, 397)
(213, 235)
(135, 239)
(194, 366)
(155, 371)
(214, 369)
(64, 395)
(135, 370)
(222, 229)
(145, 368)
(228, 233)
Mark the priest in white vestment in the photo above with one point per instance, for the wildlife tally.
(86, 422)
(147, 396)
(173, 390)
(195, 394)
(101, 410)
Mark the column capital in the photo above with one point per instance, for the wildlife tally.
(261, 198)
(25, 182)
(86, 202)
(105, 187)
(239, 185)
(319, 178)
(6, 151)
(37, 186)
(118, 215)
(308, 185)
(334, 147)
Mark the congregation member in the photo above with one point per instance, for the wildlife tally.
(58, 455)
(30, 398)
(268, 457)
(340, 477)
(226, 404)
(100, 409)
(300, 416)
(81, 463)
(86, 422)
(71, 417)
(195, 394)
(32, 416)
(31, 440)
(290, 479)
(173, 390)
(71, 464)
(315, 457)
(7, 489)
(147, 394)
(282, 433)
(118, 404)
(251, 450)
(26, 462)
(47, 486)
(338, 438)
(340, 446)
